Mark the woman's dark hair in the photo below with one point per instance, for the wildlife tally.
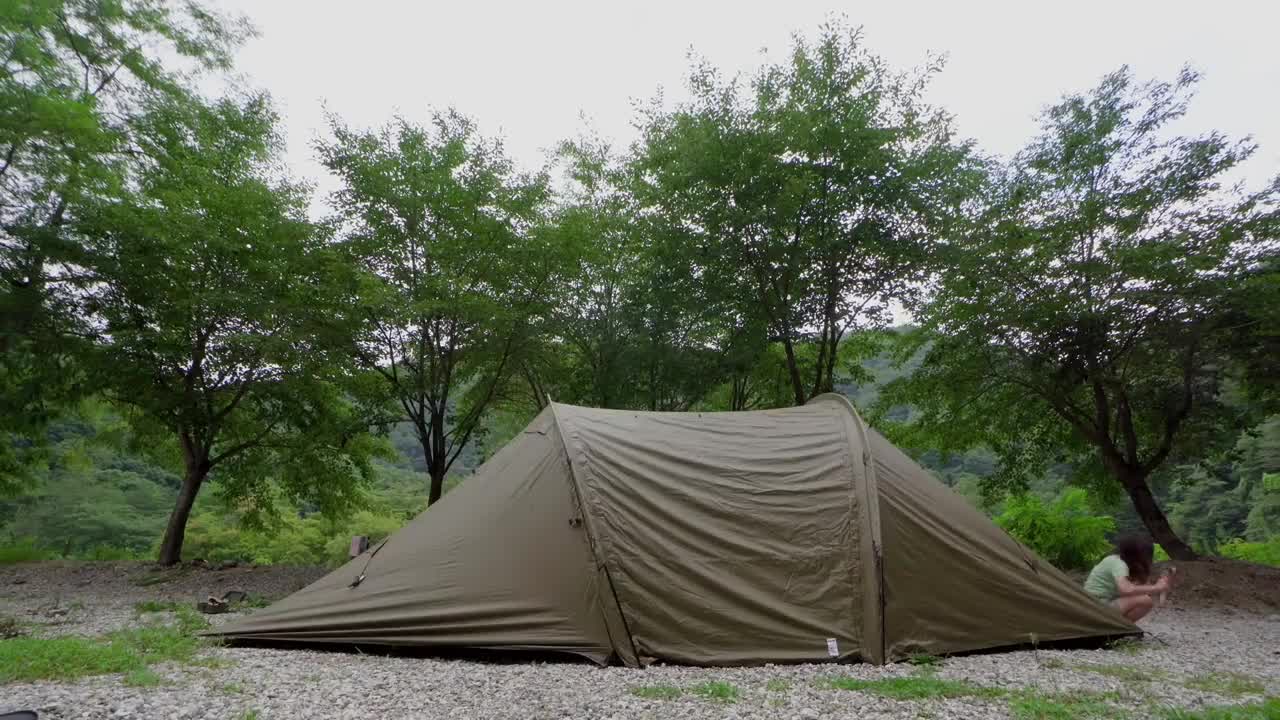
(1137, 552)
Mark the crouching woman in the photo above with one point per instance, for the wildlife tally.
(1123, 578)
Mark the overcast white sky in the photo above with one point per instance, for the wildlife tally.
(527, 70)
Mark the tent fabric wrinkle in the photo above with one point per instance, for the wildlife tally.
(704, 538)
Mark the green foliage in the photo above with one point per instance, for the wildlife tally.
(27, 659)
(1232, 684)
(1269, 709)
(925, 661)
(1040, 706)
(657, 692)
(1263, 553)
(144, 677)
(63, 658)
(920, 687)
(230, 370)
(717, 690)
(1129, 645)
(74, 77)
(1079, 315)
(22, 550)
(1127, 673)
(777, 685)
(1064, 532)
(448, 276)
(809, 194)
(292, 540)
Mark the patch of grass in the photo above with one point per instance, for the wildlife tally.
(1231, 684)
(255, 601)
(143, 677)
(1127, 673)
(1128, 645)
(155, 606)
(717, 690)
(233, 689)
(914, 688)
(63, 658)
(777, 685)
(158, 643)
(1053, 664)
(656, 692)
(1269, 709)
(250, 715)
(128, 651)
(925, 660)
(1039, 706)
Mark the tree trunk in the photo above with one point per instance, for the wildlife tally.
(437, 485)
(797, 385)
(436, 456)
(171, 546)
(738, 393)
(1154, 519)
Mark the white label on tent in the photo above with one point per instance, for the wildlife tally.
(833, 647)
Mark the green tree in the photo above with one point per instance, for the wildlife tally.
(1208, 506)
(452, 271)
(1080, 316)
(211, 287)
(1259, 472)
(73, 74)
(814, 193)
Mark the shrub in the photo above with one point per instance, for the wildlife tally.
(292, 540)
(107, 552)
(1263, 553)
(1064, 532)
(23, 550)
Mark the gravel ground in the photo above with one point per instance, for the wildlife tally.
(92, 599)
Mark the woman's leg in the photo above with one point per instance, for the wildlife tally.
(1134, 607)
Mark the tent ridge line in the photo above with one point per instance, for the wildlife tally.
(870, 513)
(593, 542)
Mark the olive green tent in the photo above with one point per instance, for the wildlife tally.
(795, 535)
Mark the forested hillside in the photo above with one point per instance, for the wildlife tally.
(195, 361)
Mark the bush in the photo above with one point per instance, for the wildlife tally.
(1064, 532)
(293, 540)
(1263, 553)
(23, 550)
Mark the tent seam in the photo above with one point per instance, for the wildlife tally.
(593, 542)
(872, 528)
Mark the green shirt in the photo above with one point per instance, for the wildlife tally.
(1101, 582)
